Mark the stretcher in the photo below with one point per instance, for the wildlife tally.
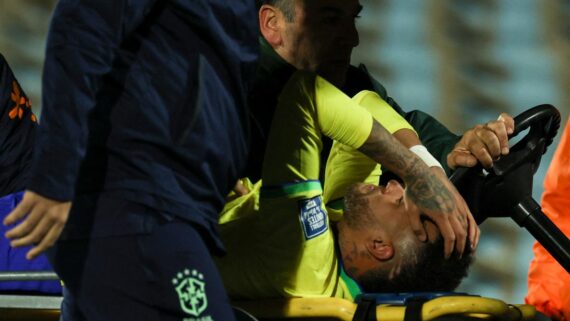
(370, 307)
(503, 191)
(29, 306)
(506, 189)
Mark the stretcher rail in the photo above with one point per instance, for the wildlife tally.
(16, 303)
(27, 276)
(344, 310)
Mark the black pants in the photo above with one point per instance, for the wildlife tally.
(167, 274)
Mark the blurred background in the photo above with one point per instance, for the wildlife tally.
(465, 62)
(462, 61)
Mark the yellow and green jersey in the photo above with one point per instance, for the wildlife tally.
(278, 237)
(346, 165)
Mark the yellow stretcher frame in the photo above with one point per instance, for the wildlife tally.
(314, 309)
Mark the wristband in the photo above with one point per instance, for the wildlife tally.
(424, 154)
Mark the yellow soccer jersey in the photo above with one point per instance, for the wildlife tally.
(346, 165)
(278, 236)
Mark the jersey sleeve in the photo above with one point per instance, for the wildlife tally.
(340, 117)
(347, 165)
(308, 107)
(434, 136)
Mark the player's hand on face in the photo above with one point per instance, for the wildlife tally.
(42, 220)
(482, 143)
(442, 203)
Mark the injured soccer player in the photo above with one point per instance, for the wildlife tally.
(281, 242)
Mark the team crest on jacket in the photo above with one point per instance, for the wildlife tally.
(190, 287)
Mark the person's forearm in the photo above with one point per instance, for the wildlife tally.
(407, 137)
(434, 136)
(427, 191)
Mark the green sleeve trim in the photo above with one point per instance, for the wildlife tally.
(351, 285)
(292, 189)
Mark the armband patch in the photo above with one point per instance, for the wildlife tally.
(313, 217)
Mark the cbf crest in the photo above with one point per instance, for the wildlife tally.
(190, 287)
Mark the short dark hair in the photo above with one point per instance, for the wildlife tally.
(431, 272)
(286, 6)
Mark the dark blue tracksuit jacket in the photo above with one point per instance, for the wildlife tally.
(144, 102)
(17, 128)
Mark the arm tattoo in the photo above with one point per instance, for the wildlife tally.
(424, 188)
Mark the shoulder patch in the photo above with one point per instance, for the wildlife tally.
(313, 217)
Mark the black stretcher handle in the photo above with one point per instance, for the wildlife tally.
(516, 170)
(529, 215)
(537, 114)
(544, 114)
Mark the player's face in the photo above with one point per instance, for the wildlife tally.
(387, 203)
(390, 209)
(380, 229)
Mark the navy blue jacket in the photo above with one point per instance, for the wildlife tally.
(17, 131)
(144, 102)
(17, 128)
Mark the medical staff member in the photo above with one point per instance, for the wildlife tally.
(144, 131)
(548, 281)
(319, 36)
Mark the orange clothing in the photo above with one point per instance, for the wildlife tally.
(548, 282)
